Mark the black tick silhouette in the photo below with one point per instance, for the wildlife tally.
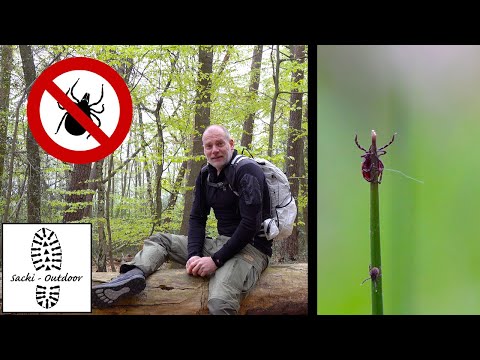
(71, 125)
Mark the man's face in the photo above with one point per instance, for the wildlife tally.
(216, 148)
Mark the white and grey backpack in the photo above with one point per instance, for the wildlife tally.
(283, 209)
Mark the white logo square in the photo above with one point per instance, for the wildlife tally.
(47, 268)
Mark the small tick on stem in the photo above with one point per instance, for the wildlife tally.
(375, 273)
(370, 156)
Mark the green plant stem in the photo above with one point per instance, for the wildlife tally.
(377, 297)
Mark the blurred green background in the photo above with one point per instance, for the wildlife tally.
(429, 232)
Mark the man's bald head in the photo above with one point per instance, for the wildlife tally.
(217, 146)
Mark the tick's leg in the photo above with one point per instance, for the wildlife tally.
(380, 177)
(60, 106)
(96, 111)
(73, 96)
(96, 117)
(61, 121)
(99, 122)
(101, 97)
(356, 142)
(391, 141)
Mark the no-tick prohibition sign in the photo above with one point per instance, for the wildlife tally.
(75, 111)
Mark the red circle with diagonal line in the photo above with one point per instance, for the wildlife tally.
(45, 83)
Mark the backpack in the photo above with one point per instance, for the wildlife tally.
(283, 209)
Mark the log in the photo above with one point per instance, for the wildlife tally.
(281, 290)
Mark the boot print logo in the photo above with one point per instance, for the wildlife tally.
(47, 268)
(46, 250)
(46, 254)
(47, 298)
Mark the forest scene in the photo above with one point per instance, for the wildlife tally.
(258, 92)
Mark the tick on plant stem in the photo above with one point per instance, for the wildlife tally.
(371, 157)
(375, 273)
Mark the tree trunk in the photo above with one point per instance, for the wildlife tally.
(107, 214)
(252, 95)
(112, 191)
(147, 166)
(121, 212)
(202, 120)
(93, 181)
(8, 193)
(160, 148)
(102, 242)
(174, 195)
(5, 76)
(281, 290)
(33, 155)
(125, 70)
(276, 79)
(16, 211)
(78, 182)
(295, 158)
(158, 184)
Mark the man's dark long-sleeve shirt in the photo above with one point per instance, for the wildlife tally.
(239, 217)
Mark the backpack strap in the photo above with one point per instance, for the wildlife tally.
(203, 171)
(223, 184)
(220, 185)
(233, 169)
(237, 159)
